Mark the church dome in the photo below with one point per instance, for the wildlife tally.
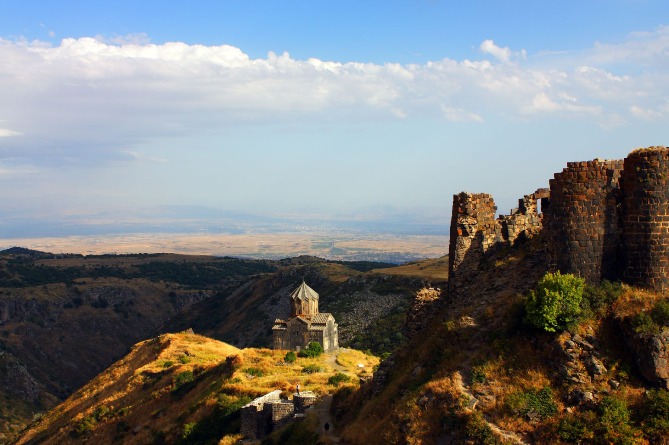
(304, 293)
(304, 301)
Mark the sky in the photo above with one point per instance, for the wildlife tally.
(332, 110)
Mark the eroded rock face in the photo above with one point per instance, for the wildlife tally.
(651, 352)
(15, 379)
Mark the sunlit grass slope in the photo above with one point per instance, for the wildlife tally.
(184, 388)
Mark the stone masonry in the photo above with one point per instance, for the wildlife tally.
(475, 231)
(646, 218)
(582, 219)
(269, 413)
(602, 219)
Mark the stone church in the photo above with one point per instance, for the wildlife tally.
(305, 324)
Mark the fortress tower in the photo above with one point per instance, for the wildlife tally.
(645, 185)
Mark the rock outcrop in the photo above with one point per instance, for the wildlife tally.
(651, 353)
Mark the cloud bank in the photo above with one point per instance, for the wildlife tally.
(96, 99)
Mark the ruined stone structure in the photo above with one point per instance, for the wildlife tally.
(269, 413)
(601, 220)
(475, 230)
(305, 324)
(583, 221)
(645, 218)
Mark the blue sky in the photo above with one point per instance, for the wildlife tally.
(338, 109)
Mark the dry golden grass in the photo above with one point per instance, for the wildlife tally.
(142, 385)
(634, 300)
(432, 269)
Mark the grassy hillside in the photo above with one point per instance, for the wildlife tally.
(65, 318)
(184, 388)
(478, 373)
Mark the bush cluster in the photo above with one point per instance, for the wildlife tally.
(311, 369)
(556, 302)
(338, 378)
(532, 402)
(652, 322)
(613, 422)
(313, 349)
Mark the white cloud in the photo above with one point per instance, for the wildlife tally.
(646, 113)
(91, 98)
(460, 115)
(489, 47)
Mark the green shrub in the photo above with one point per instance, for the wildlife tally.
(183, 381)
(643, 323)
(476, 429)
(478, 375)
(84, 426)
(311, 369)
(184, 359)
(660, 313)
(168, 364)
(655, 414)
(614, 421)
(532, 402)
(577, 428)
(313, 349)
(188, 430)
(254, 372)
(338, 378)
(597, 300)
(89, 423)
(556, 302)
(290, 357)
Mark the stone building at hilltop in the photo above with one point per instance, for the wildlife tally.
(305, 324)
(601, 219)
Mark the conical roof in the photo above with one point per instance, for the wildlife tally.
(304, 292)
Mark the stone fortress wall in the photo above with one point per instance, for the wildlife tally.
(270, 413)
(601, 220)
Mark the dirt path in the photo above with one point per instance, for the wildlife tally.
(323, 412)
(323, 408)
(331, 360)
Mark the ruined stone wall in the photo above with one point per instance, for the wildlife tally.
(279, 414)
(475, 231)
(255, 420)
(582, 220)
(304, 400)
(602, 219)
(645, 220)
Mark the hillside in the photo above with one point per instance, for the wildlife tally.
(184, 388)
(65, 318)
(477, 373)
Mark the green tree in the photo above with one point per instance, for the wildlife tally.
(313, 349)
(290, 357)
(556, 302)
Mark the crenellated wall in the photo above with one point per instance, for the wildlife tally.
(602, 219)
